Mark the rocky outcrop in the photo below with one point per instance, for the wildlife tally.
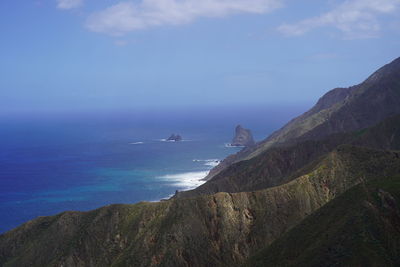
(243, 137)
(175, 138)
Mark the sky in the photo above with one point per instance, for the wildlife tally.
(72, 55)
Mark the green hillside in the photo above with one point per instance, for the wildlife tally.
(359, 228)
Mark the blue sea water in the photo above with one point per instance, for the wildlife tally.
(53, 163)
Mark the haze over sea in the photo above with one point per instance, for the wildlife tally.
(49, 164)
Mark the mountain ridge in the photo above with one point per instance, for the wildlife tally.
(325, 117)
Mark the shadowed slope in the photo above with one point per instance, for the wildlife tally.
(359, 228)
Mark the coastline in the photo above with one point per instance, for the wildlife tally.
(189, 180)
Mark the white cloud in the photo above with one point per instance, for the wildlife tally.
(354, 18)
(129, 16)
(69, 4)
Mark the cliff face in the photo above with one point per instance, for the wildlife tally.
(217, 230)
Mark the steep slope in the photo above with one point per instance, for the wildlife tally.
(217, 230)
(359, 228)
(281, 164)
(344, 110)
(271, 168)
(340, 110)
(385, 135)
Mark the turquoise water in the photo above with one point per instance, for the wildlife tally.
(49, 164)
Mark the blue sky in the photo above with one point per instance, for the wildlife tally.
(62, 55)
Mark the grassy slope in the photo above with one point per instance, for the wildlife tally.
(359, 228)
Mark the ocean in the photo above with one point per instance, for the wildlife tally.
(82, 161)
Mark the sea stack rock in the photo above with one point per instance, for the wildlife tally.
(175, 137)
(243, 137)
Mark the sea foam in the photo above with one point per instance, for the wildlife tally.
(230, 145)
(208, 162)
(187, 180)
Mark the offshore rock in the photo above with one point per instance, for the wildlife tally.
(243, 137)
(175, 137)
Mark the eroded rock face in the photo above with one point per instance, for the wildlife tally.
(243, 137)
